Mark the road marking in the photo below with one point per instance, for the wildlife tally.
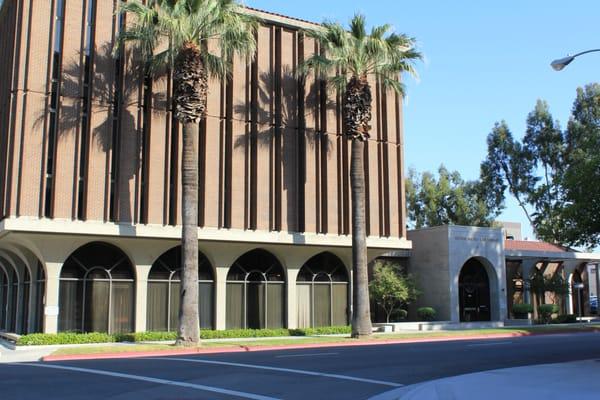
(308, 355)
(154, 380)
(288, 370)
(487, 344)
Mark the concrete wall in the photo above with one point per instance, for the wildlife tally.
(438, 255)
(487, 246)
(429, 263)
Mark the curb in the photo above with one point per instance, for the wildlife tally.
(243, 349)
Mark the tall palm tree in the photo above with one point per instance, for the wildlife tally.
(186, 27)
(347, 59)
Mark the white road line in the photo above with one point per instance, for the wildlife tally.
(154, 380)
(487, 344)
(308, 355)
(288, 370)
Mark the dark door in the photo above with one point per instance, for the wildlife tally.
(474, 292)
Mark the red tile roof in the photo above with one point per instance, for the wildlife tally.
(530, 245)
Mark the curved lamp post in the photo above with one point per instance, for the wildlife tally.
(560, 63)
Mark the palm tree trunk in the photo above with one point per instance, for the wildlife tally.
(361, 315)
(190, 89)
(189, 322)
(357, 110)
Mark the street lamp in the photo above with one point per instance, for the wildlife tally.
(560, 63)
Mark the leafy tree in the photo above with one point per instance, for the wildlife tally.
(552, 173)
(359, 55)
(390, 288)
(582, 169)
(186, 27)
(448, 200)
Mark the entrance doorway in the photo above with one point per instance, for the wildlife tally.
(474, 292)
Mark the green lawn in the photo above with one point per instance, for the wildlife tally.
(141, 347)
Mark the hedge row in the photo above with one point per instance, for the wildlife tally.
(36, 339)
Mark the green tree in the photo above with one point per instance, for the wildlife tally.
(448, 200)
(185, 27)
(360, 55)
(552, 174)
(582, 169)
(390, 288)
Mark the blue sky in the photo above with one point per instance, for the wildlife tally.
(485, 61)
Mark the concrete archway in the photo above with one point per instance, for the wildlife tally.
(478, 291)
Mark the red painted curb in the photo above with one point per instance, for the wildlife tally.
(241, 349)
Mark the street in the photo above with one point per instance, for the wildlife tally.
(328, 373)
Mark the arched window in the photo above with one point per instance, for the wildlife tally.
(322, 290)
(14, 302)
(40, 293)
(164, 292)
(25, 293)
(255, 292)
(96, 290)
(4, 287)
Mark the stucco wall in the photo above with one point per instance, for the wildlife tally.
(429, 264)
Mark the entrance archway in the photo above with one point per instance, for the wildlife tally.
(474, 292)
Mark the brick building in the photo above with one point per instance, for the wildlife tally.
(90, 182)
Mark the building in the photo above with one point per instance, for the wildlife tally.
(90, 185)
(471, 274)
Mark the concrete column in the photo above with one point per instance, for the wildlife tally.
(527, 266)
(569, 268)
(51, 309)
(221, 297)
(292, 303)
(141, 296)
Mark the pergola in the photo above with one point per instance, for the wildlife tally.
(522, 257)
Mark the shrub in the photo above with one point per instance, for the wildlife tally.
(146, 336)
(400, 315)
(520, 311)
(545, 312)
(426, 313)
(564, 319)
(38, 339)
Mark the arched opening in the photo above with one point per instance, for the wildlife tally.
(255, 292)
(578, 293)
(474, 292)
(4, 289)
(164, 284)
(14, 301)
(25, 293)
(322, 292)
(40, 292)
(96, 291)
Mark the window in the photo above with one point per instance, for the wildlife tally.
(322, 290)
(164, 292)
(96, 291)
(54, 107)
(255, 292)
(86, 108)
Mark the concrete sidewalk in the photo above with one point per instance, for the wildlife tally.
(573, 380)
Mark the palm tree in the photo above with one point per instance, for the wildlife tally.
(346, 61)
(187, 26)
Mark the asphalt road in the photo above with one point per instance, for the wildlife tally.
(327, 373)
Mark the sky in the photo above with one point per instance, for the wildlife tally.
(485, 61)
